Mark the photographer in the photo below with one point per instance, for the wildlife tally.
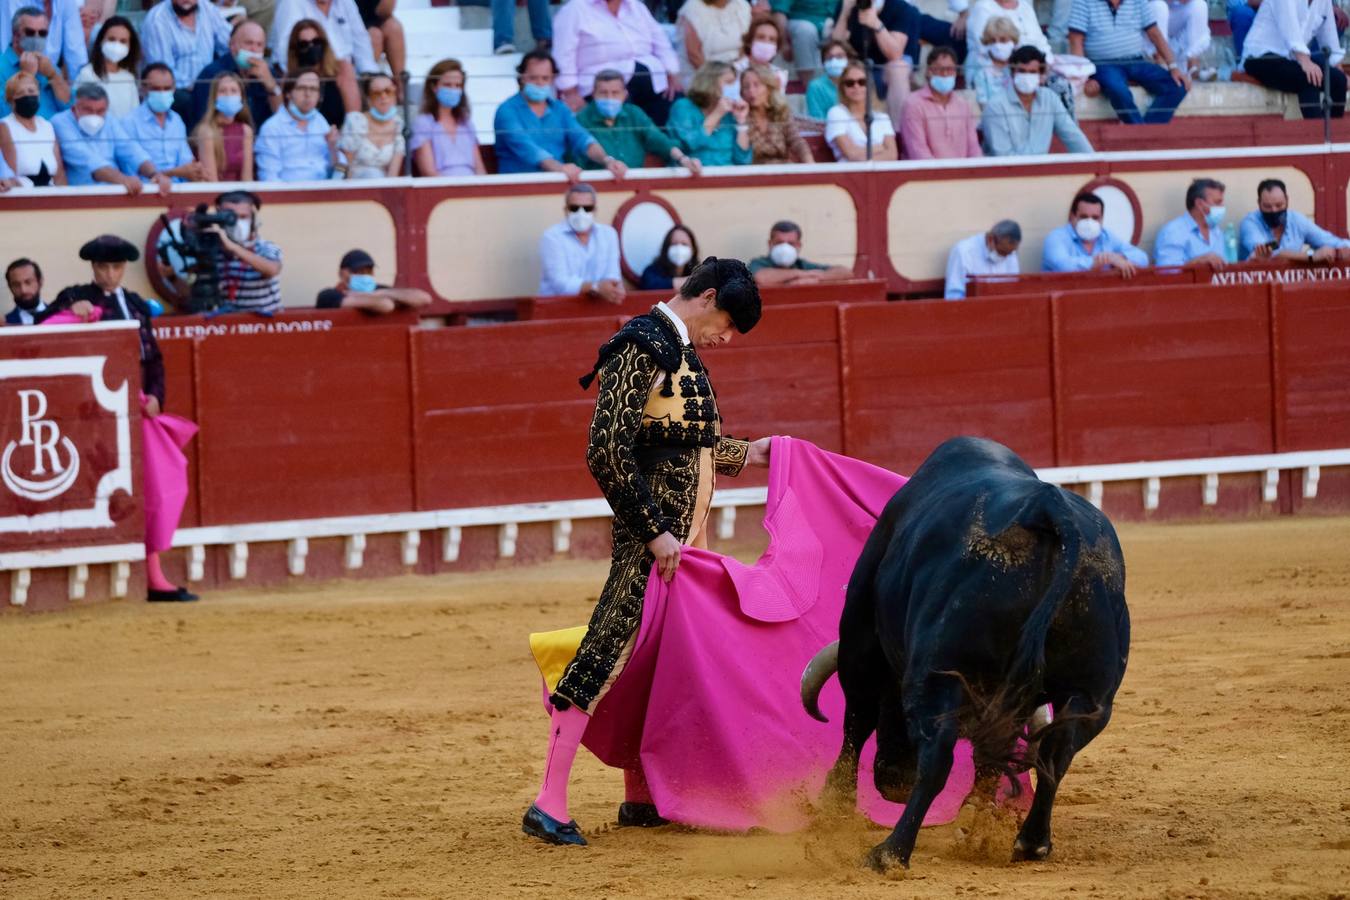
(250, 275)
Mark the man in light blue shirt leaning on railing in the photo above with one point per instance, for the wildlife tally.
(1084, 244)
(1273, 230)
(1197, 237)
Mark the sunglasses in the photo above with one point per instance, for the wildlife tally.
(382, 92)
(854, 82)
(30, 32)
(577, 207)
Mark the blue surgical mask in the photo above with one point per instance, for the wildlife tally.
(307, 117)
(244, 59)
(610, 109)
(362, 284)
(383, 116)
(33, 45)
(159, 101)
(835, 66)
(449, 97)
(1215, 215)
(943, 84)
(538, 93)
(229, 105)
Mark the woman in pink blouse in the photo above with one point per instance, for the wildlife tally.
(591, 35)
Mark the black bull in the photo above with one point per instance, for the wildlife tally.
(982, 594)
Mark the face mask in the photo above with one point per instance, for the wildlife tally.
(1026, 82)
(33, 44)
(1001, 50)
(26, 107)
(609, 108)
(996, 257)
(309, 53)
(241, 230)
(159, 101)
(835, 65)
(244, 59)
(383, 116)
(449, 97)
(1215, 215)
(943, 84)
(1088, 229)
(958, 6)
(581, 220)
(763, 51)
(538, 93)
(783, 255)
(228, 105)
(183, 12)
(303, 116)
(732, 91)
(115, 51)
(679, 254)
(1274, 219)
(90, 125)
(362, 284)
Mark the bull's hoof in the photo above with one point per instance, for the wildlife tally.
(1024, 851)
(883, 859)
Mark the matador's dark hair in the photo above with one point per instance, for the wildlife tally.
(737, 293)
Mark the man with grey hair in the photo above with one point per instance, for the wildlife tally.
(63, 41)
(991, 253)
(1197, 238)
(97, 150)
(579, 256)
(27, 52)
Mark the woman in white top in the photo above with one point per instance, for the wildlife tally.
(845, 123)
(28, 141)
(1023, 15)
(372, 143)
(1276, 53)
(712, 30)
(113, 63)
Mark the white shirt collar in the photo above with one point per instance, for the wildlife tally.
(675, 320)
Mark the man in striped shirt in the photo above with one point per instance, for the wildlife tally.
(186, 35)
(250, 277)
(1107, 32)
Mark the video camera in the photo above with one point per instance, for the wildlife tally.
(201, 252)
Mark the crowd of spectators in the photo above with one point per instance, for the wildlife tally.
(313, 89)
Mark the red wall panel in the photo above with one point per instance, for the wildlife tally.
(1163, 373)
(1312, 330)
(918, 373)
(297, 426)
(500, 417)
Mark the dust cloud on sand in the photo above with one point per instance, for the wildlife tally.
(382, 738)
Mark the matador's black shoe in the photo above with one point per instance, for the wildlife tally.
(640, 815)
(177, 595)
(540, 824)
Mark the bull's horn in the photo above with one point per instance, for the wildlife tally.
(818, 671)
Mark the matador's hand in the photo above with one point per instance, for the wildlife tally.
(667, 552)
(759, 452)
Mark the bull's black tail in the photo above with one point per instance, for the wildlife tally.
(1001, 719)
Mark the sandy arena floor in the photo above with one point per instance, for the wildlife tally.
(381, 739)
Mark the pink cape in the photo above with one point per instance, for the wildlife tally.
(66, 317)
(166, 482)
(709, 702)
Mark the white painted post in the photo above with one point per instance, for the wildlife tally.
(562, 535)
(1311, 476)
(726, 523)
(1211, 489)
(1270, 486)
(356, 551)
(1152, 487)
(297, 554)
(506, 539)
(238, 560)
(19, 580)
(1095, 493)
(196, 562)
(121, 578)
(411, 541)
(79, 579)
(450, 540)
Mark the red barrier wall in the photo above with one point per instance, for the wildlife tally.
(1162, 373)
(1311, 339)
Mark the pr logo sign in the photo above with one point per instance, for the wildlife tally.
(42, 436)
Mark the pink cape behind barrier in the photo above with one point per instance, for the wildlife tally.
(166, 481)
(709, 703)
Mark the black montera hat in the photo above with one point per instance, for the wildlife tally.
(109, 248)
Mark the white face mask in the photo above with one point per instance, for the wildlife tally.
(581, 220)
(241, 230)
(115, 51)
(90, 125)
(1001, 50)
(679, 254)
(763, 51)
(1088, 229)
(783, 255)
(1026, 83)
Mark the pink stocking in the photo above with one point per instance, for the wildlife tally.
(635, 788)
(564, 737)
(154, 574)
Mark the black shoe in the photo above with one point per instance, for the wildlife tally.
(640, 815)
(540, 824)
(177, 595)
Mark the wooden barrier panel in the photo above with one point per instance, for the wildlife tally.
(499, 416)
(986, 286)
(1171, 372)
(638, 302)
(1312, 369)
(300, 321)
(297, 426)
(915, 374)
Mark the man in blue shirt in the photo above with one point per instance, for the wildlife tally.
(1107, 32)
(1084, 244)
(96, 150)
(536, 132)
(1020, 120)
(64, 40)
(159, 131)
(297, 143)
(1197, 237)
(245, 59)
(580, 256)
(25, 52)
(1273, 230)
(186, 34)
